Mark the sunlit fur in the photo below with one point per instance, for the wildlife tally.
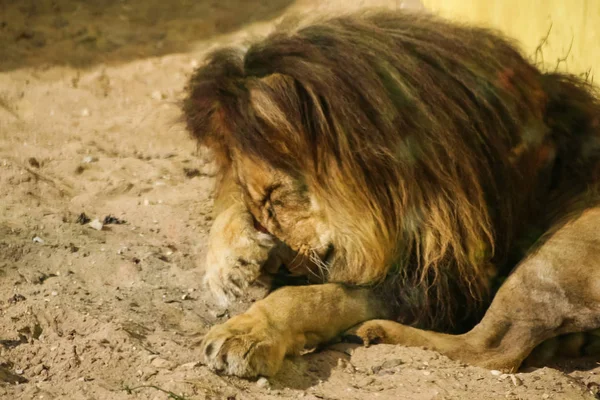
(435, 150)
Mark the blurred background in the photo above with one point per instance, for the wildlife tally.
(566, 33)
(82, 33)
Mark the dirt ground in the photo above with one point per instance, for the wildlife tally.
(89, 124)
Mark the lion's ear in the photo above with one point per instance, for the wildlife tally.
(214, 94)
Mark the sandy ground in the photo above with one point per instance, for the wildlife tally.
(89, 124)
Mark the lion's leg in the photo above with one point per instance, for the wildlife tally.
(237, 252)
(554, 291)
(284, 323)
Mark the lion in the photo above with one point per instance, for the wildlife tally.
(434, 187)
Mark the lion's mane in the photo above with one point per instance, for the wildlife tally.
(435, 148)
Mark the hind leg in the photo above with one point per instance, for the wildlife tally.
(554, 291)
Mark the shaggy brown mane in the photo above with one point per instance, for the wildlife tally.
(433, 147)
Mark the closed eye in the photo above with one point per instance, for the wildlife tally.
(269, 192)
(268, 202)
(277, 203)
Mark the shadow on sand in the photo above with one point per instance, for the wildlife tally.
(43, 33)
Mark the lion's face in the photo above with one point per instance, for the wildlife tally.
(284, 206)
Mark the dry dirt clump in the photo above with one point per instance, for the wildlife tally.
(105, 205)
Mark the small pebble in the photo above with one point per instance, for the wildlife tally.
(38, 239)
(157, 95)
(96, 224)
(54, 293)
(392, 363)
(89, 159)
(19, 371)
(190, 365)
(495, 372)
(16, 298)
(110, 219)
(82, 219)
(162, 363)
(219, 313)
(516, 380)
(365, 382)
(38, 369)
(85, 112)
(262, 383)
(34, 162)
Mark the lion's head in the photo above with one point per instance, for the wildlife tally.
(396, 147)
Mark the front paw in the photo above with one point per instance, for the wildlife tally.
(244, 346)
(228, 280)
(236, 254)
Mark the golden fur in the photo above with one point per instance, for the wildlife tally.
(397, 151)
(441, 117)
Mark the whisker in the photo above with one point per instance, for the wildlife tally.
(322, 265)
(294, 260)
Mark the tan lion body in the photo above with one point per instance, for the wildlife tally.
(408, 163)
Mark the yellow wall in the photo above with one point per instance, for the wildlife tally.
(528, 21)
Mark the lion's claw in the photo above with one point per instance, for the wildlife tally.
(369, 333)
(227, 283)
(244, 347)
